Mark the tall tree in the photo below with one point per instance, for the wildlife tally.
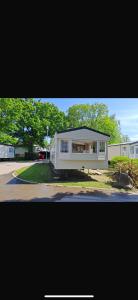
(25, 120)
(9, 118)
(95, 116)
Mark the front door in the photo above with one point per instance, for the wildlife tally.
(136, 152)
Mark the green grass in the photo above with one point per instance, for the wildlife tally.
(85, 184)
(41, 173)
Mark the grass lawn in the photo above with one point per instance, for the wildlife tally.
(84, 184)
(38, 173)
(42, 173)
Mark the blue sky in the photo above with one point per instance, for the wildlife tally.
(126, 110)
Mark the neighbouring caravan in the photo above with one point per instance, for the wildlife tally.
(6, 151)
(20, 151)
(76, 148)
(129, 149)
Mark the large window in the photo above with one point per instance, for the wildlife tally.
(94, 147)
(80, 148)
(102, 147)
(64, 146)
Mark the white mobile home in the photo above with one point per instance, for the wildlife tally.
(129, 149)
(6, 151)
(79, 147)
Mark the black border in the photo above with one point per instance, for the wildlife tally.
(72, 248)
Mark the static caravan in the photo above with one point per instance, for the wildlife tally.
(20, 151)
(6, 151)
(129, 149)
(76, 148)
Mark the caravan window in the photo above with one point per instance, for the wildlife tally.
(94, 147)
(10, 150)
(124, 151)
(102, 147)
(132, 149)
(136, 150)
(64, 146)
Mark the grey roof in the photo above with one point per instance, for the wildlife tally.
(127, 143)
(83, 127)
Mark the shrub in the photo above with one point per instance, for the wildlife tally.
(129, 167)
(135, 160)
(118, 159)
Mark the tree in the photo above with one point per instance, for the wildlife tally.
(125, 138)
(95, 116)
(9, 114)
(7, 139)
(25, 120)
(9, 118)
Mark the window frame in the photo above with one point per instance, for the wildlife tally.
(95, 147)
(104, 146)
(11, 150)
(132, 147)
(65, 141)
(136, 148)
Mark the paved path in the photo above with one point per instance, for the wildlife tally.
(108, 198)
(12, 189)
(8, 167)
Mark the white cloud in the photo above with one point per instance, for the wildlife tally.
(134, 137)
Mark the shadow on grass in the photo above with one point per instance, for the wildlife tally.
(43, 173)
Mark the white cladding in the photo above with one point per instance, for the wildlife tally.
(72, 160)
(128, 149)
(6, 151)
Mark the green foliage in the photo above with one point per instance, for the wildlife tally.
(135, 160)
(122, 159)
(118, 159)
(129, 167)
(7, 139)
(95, 116)
(25, 121)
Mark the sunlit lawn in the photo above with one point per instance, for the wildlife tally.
(41, 173)
(37, 173)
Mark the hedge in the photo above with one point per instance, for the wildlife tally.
(119, 159)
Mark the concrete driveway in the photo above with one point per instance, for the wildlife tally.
(7, 167)
(13, 190)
